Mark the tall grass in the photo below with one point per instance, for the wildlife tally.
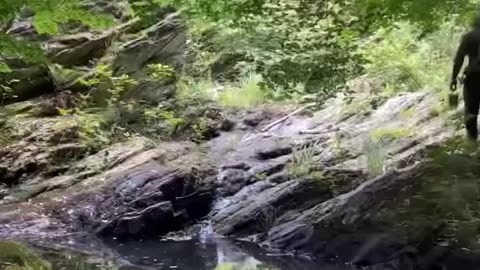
(304, 159)
(248, 92)
(375, 155)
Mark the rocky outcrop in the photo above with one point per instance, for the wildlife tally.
(128, 48)
(268, 185)
(163, 43)
(336, 212)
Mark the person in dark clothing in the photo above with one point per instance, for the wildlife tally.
(469, 46)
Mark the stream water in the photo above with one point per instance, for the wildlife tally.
(215, 254)
(185, 255)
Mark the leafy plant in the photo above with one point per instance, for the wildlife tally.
(160, 71)
(157, 118)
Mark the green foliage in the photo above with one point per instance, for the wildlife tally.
(363, 103)
(48, 16)
(408, 113)
(406, 60)
(159, 119)
(428, 14)
(63, 76)
(199, 91)
(4, 68)
(160, 71)
(313, 43)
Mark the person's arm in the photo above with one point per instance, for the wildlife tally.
(458, 62)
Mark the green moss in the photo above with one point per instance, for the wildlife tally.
(408, 113)
(390, 133)
(20, 257)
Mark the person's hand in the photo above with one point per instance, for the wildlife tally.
(453, 85)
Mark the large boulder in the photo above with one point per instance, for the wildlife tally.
(163, 43)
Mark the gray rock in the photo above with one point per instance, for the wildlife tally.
(154, 220)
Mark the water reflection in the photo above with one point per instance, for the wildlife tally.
(217, 255)
(154, 254)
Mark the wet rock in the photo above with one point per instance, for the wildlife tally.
(227, 124)
(148, 199)
(231, 181)
(154, 220)
(79, 49)
(273, 149)
(242, 213)
(342, 226)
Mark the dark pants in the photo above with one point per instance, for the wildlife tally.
(471, 96)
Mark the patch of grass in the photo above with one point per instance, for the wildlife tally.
(362, 104)
(408, 113)
(375, 154)
(304, 160)
(196, 90)
(247, 93)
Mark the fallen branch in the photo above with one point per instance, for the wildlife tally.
(317, 132)
(285, 118)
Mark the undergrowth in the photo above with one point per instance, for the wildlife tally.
(407, 60)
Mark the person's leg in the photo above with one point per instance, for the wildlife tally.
(471, 95)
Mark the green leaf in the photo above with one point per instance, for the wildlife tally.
(4, 68)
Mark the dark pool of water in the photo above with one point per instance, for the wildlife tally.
(214, 254)
(186, 255)
(218, 254)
